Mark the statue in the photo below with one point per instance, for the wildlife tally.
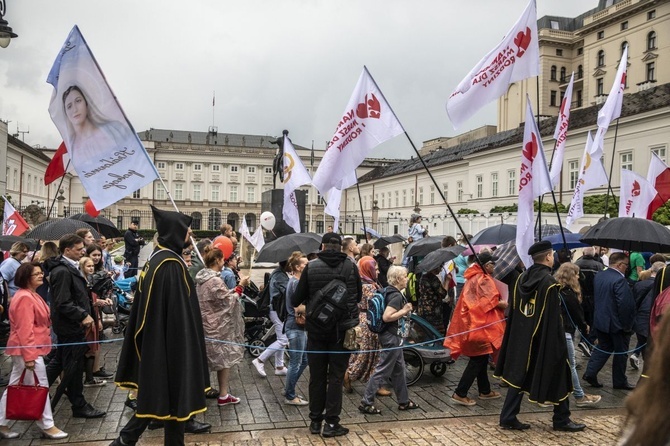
(34, 215)
(278, 163)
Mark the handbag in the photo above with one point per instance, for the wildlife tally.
(300, 319)
(26, 402)
(352, 338)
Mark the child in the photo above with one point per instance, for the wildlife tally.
(119, 268)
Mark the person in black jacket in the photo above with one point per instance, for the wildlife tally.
(133, 245)
(384, 263)
(327, 369)
(589, 266)
(70, 316)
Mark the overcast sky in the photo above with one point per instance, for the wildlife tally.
(274, 64)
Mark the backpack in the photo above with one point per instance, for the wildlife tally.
(375, 312)
(263, 302)
(328, 307)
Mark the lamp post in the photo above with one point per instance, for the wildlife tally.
(6, 33)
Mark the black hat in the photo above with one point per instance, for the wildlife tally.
(538, 247)
(135, 221)
(485, 257)
(331, 238)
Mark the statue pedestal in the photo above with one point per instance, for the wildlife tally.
(273, 201)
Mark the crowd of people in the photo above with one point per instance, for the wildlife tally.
(527, 326)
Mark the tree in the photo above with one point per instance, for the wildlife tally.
(500, 209)
(467, 211)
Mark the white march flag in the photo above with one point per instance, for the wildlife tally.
(533, 182)
(244, 229)
(102, 146)
(256, 240)
(591, 175)
(295, 175)
(611, 110)
(516, 58)
(560, 134)
(636, 195)
(367, 121)
(333, 206)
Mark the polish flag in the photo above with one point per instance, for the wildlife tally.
(560, 134)
(12, 222)
(659, 176)
(56, 167)
(533, 182)
(636, 195)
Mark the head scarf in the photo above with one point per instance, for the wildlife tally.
(367, 267)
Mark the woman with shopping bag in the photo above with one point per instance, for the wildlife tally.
(29, 341)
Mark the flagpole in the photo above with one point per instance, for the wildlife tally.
(53, 202)
(360, 203)
(537, 120)
(311, 200)
(609, 180)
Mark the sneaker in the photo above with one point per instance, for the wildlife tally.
(588, 400)
(281, 372)
(584, 347)
(259, 367)
(102, 373)
(334, 430)
(95, 382)
(297, 401)
(315, 427)
(635, 361)
(229, 399)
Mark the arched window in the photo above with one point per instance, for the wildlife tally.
(651, 40)
(553, 72)
(601, 58)
(580, 72)
(197, 220)
(213, 219)
(623, 47)
(562, 74)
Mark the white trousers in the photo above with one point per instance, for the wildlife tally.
(18, 365)
(278, 346)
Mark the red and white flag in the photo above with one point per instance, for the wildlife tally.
(57, 165)
(103, 148)
(561, 133)
(516, 58)
(636, 195)
(611, 110)
(295, 175)
(591, 175)
(12, 222)
(659, 176)
(533, 182)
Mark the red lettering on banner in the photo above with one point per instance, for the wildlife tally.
(524, 180)
(353, 135)
(629, 204)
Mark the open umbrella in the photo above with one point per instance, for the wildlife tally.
(437, 258)
(494, 235)
(468, 251)
(101, 224)
(573, 241)
(282, 248)
(506, 259)
(548, 230)
(629, 234)
(6, 242)
(424, 246)
(386, 240)
(55, 229)
(372, 232)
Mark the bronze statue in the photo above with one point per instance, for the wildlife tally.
(278, 163)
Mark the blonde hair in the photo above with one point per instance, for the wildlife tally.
(568, 275)
(293, 262)
(395, 273)
(82, 264)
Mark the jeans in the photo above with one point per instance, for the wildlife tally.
(578, 392)
(297, 342)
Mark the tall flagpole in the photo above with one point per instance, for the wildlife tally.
(311, 198)
(53, 202)
(609, 180)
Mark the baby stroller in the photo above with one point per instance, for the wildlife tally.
(259, 330)
(103, 285)
(419, 350)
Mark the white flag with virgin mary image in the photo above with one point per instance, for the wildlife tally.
(102, 146)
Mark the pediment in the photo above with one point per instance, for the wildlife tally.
(599, 72)
(649, 56)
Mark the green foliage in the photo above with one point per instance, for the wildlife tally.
(662, 214)
(467, 211)
(548, 207)
(500, 209)
(595, 204)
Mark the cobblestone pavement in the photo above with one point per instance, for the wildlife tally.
(262, 418)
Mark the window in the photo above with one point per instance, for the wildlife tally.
(600, 86)
(573, 173)
(197, 167)
(660, 151)
(459, 190)
(579, 98)
(215, 192)
(216, 167)
(580, 72)
(651, 41)
(554, 24)
(251, 194)
(233, 194)
(197, 192)
(411, 196)
(559, 52)
(136, 194)
(562, 97)
(480, 186)
(623, 46)
(624, 25)
(178, 166)
(601, 58)
(234, 169)
(651, 14)
(404, 198)
(432, 194)
(580, 51)
(563, 73)
(552, 98)
(397, 199)
(494, 184)
(28, 181)
(383, 201)
(511, 182)
(445, 191)
(651, 69)
(627, 160)
(16, 177)
(160, 165)
(601, 35)
(268, 170)
(160, 192)
(179, 191)
(553, 72)
(251, 169)
(421, 195)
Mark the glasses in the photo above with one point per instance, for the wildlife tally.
(40, 273)
(186, 253)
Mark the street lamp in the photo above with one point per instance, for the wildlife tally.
(6, 33)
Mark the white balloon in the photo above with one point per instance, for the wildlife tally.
(268, 220)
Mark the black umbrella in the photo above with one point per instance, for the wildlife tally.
(548, 230)
(6, 242)
(506, 259)
(55, 229)
(424, 246)
(282, 248)
(437, 258)
(629, 234)
(101, 224)
(386, 240)
(494, 235)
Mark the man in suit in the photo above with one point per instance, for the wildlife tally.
(613, 322)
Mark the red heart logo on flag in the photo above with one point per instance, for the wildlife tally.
(369, 108)
(530, 150)
(362, 110)
(522, 40)
(636, 189)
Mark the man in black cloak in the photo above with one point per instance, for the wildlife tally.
(163, 356)
(534, 354)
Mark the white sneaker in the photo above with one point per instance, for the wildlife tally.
(635, 361)
(281, 372)
(587, 400)
(259, 367)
